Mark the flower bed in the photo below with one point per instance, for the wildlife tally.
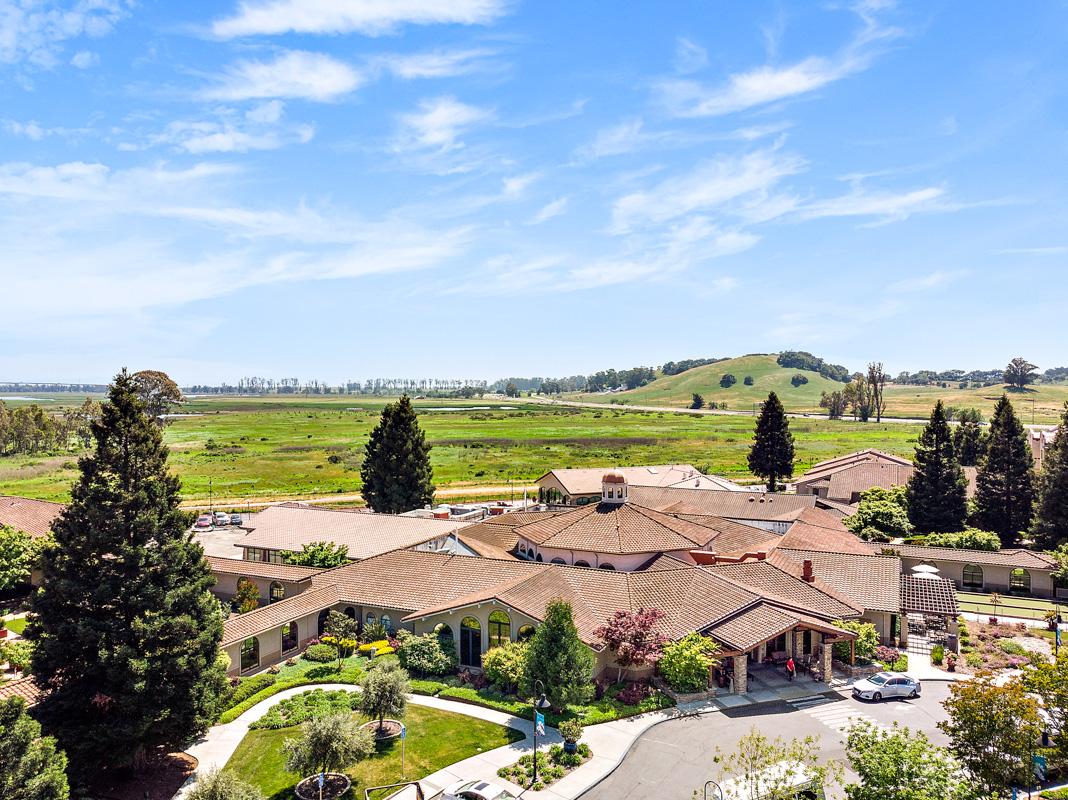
(293, 673)
(1000, 646)
(302, 707)
(552, 766)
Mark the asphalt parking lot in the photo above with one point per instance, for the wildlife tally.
(675, 758)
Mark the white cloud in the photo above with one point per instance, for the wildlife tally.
(260, 128)
(293, 74)
(550, 210)
(369, 17)
(517, 185)
(435, 64)
(31, 130)
(689, 56)
(771, 83)
(924, 283)
(266, 113)
(35, 32)
(1054, 250)
(84, 59)
(626, 137)
(709, 184)
(438, 124)
(888, 206)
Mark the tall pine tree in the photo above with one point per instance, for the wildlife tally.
(772, 454)
(1051, 509)
(125, 627)
(1005, 491)
(558, 658)
(396, 469)
(937, 491)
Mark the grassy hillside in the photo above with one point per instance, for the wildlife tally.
(914, 401)
(768, 376)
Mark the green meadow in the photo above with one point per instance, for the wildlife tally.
(260, 448)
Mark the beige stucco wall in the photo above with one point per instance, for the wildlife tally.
(995, 578)
(226, 587)
(271, 645)
(622, 563)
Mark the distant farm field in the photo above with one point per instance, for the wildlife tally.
(277, 447)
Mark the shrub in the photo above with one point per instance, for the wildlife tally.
(938, 653)
(685, 663)
(571, 730)
(727, 381)
(901, 665)
(968, 539)
(330, 743)
(867, 640)
(424, 655)
(246, 688)
(302, 707)
(217, 785)
(973, 660)
(633, 693)
(505, 665)
(798, 380)
(888, 655)
(748, 380)
(320, 653)
(1009, 647)
(374, 632)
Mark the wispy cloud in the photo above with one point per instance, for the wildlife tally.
(689, 56)
(711, 183)
(928, 282)
(260, 128)
(886, 206)
(434, 64)
(770, 83)
(438, 124)
(631, 135)
(369, 17)
(1054, 250)
(292, 74)
(550, 210)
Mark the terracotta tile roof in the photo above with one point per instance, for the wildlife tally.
(24, 688)
(494, 539)
(242, 626)
(1012, 557)
(815, 529)
(617, 529)
(291, 526)
(733, 537)
(781, 583)
(753, 626)
(842, 510)
(871, 581)
(731, 505)
(824, 469)
(258, 569)
(35, 517)
(850, 481)
(928, 596)
(587, 480)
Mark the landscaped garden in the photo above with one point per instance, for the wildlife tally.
(434, 739)
(985, 646)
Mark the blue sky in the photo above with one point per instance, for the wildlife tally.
(337, 189)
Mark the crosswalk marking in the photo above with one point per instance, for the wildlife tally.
(838, 715)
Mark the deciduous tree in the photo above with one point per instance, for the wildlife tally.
(384, 691)
(1005, 492)
(329, 743)
(876, 380)
(772, 454)
(899, 764)
(1049, 681)
(218, 785)
(19, 553)
(882, 514)
(126, 629)
(697, 401)
(317, 554)
(396, 470)
(938, 490)
(632, 638)
(558, 658)
(772, 768)
(1051, 508)
(31, 767)
(247, 596)
(157, 391)
(1019, 372)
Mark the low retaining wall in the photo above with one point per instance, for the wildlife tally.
(857, 670)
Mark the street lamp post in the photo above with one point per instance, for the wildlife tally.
(539, 705)
(719, 789)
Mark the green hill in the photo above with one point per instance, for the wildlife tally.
(768, 376)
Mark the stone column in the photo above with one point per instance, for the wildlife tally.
(799, 644)
(828, 654)
(741, 674)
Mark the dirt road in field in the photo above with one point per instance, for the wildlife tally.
(497, 492)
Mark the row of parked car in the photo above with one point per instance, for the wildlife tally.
(220, 519)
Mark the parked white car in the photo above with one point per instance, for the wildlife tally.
(476, 790)
(222, 518)
(886, 684)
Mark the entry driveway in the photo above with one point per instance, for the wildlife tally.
(673, 759)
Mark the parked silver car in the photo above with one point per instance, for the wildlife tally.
(222, 518)
(476, 790)
(886, 684)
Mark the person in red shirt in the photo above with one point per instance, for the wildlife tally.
(790, 668)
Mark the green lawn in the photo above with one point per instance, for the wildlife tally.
(16, 625)
(264, 448)
(1008, 606)
(434, 740)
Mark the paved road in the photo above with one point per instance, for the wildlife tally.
(496, 490)
(674, 758)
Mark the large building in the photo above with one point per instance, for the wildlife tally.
(844, 479)
(578, 487)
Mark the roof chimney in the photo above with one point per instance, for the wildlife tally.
(806, 571)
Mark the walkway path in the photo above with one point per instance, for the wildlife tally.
(609, 742)
(496, 490)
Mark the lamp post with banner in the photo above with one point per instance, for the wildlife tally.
(540, 705)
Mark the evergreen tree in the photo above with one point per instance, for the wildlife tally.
(1051, 510)
(937, 491)
(30, 766)
(558, 658)
(126, 629)
(396, 470)
(968, 437)
(1005, 491)
(772, 454)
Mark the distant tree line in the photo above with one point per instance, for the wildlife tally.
(1019, 372)
(380, 386)
(799, 359)
(675, 367)
(88, 388)
(27, 430)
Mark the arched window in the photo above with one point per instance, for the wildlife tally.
(538, 558)
(322, 620)
(277, 593)
(1020, 581)
(558, 561)
(581, 563)
(973, 576)
(250, 653)
(500, 628)
(387, 622)
(290, 638)
(607, 566)
(524, 633)
(470, 642)
(445, 636)
(370, 618)
(350, 612)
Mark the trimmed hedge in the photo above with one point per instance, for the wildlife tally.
(606, 709)
(302, 707)
(350, 675)
(246, 688)
(321, 653)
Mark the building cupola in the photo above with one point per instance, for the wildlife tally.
(613, 488)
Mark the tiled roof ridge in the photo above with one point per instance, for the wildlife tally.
(1004, 550)
(297, 505)
(669, 521)
(817, 583)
